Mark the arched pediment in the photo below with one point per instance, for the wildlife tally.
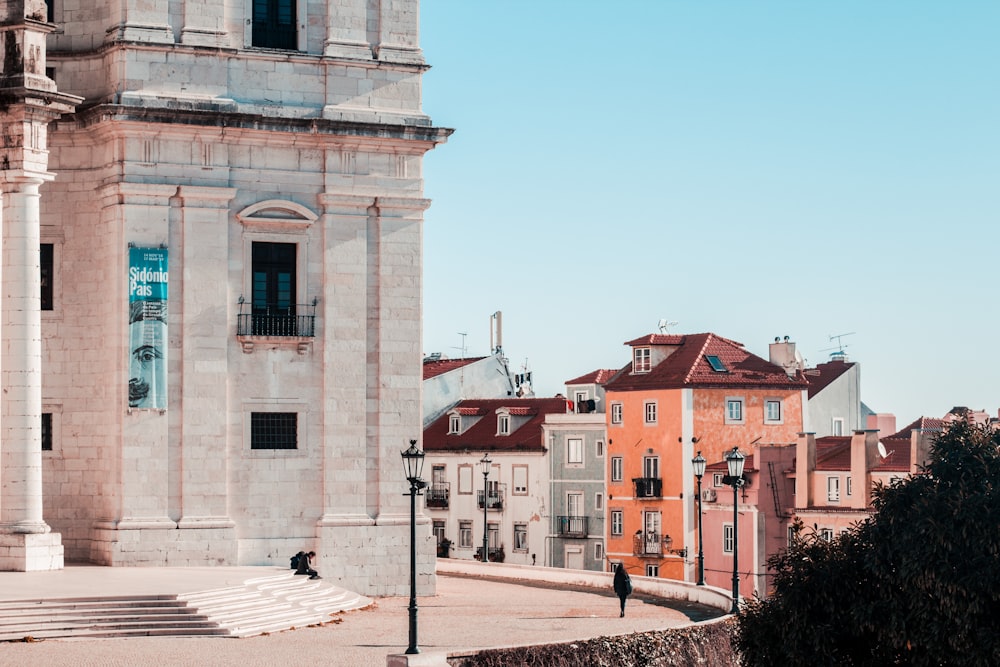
(276, 212)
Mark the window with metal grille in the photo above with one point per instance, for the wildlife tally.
(46, 431)
(274, 24)
(273, 430)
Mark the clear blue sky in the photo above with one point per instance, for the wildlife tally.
(753, 169)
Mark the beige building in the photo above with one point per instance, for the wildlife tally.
(225, 362)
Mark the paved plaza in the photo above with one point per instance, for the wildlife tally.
(466, 613)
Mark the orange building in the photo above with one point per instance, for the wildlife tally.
(682, 394)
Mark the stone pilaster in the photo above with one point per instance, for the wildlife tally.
(142, 21)
(347, 30)
(204, 23)
(398, 32)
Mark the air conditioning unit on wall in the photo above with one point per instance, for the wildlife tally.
(708, 495)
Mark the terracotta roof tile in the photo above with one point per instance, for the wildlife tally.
(435, 368)
(819, 378)
(599, 376)
(687, 367)
(482, 435)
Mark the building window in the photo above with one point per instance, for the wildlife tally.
(772, 411)
(734, 410)
(465, 534)
(640, 360)
(503, 425)
(599, 449)
(520, 475)
(46, 431)
(849, 486)
(520, 537)
(650, 412)
(616, 469)
(727, 538)
(454, 424)
(274, 430)
(47, 264)
(599, 551)
(272, 304)
(833, 489)
(651, 467)
(616, 413)
(838, 426)
(826, 534)
(617, 517)
(599, 501)
(717, 479)
(574, 451)
(274, 24)
(793, 535)
(652, 570)
(465, 478)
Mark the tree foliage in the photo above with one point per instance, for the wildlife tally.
(918, 583)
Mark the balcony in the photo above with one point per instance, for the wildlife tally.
(647, 545)
(496, 554)
(296, 323)
(648, 487)
(494, 500)
(438, 495)
(572, 526)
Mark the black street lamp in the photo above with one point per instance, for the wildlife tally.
(485, 464)
(698, 463)
(413, 464)
(735, 461)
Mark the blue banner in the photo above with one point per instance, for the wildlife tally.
(147, 328)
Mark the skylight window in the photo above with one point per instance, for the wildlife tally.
(716, 363)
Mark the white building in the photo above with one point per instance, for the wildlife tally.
(230, 245)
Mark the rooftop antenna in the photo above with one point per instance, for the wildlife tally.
(496, 332)
(461, 349)
(839, 349)
(664, 326)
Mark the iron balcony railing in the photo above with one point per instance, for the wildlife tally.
(572, 526)
(494, 501)
(647, 544)
(270, 320)
(438, 495)
(648, 487)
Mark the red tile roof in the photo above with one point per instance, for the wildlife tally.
(600, 376)
(687, 367)
(819, 378)
(833, 454)
(482, 436)
(921, 423)
(435, 368)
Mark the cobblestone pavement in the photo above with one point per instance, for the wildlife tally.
(464, 614)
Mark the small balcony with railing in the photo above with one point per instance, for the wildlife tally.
(295, 323)
(493, 500)
(438, 495)
(647, 545)
(648, 487)
(572, 526)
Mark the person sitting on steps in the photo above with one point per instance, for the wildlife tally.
(305, 565)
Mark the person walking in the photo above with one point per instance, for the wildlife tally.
(622, 585)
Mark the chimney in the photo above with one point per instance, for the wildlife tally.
(782, 353)
(805, 465)
(920, 448)
(883, 422)
(864, 458)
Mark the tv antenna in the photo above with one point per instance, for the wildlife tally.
(838, 352)
(665, 325)
(461, 349)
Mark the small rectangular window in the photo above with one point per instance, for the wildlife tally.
(454, 424)
(616, 413)
(717, 479)
(599, 449)
(465, 534)
(599, 551)
(520, 475)
(274, 24)
(727, 538)
(734, 410)
(273, 430)
(46, 431)
(772, 411)
(520, 537)
(616, 522)
(652, 570)
(503, 425)
(465, 478)
(641, 360)
(574, 451)
(826, 534)
(47, 264)
(716, 363)
(833, 489)
(599, 501)
(838, 426)
(616, 469)
(651, 412)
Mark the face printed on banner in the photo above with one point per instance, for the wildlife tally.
(147, 384)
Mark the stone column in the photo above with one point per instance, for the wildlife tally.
(398, 32)
(205, 24)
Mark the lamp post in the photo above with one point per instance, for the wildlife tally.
(485, 464)
(698, 463)
(413, 464)
(735, 461)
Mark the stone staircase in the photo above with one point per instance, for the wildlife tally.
(267, 604)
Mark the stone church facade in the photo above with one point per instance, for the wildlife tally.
(221, 207)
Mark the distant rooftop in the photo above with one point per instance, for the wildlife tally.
(436, 366)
